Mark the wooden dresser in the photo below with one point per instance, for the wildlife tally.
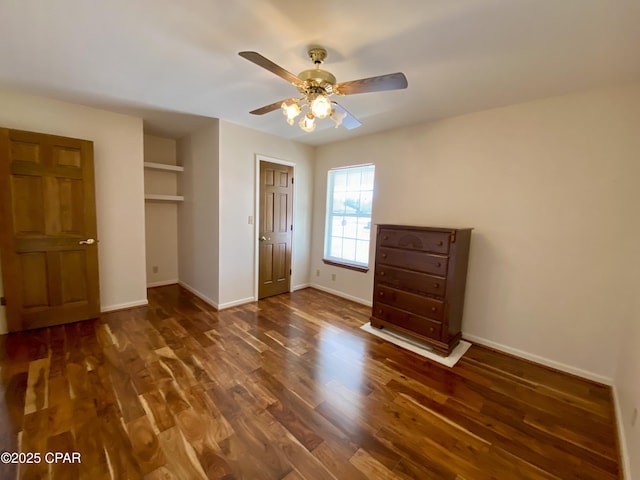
(420, 277)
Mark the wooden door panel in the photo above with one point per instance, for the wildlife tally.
(47, 208)
(67, 156)
(273, 266)
(25, 151)
(28, 205)
(68, 209)
(280, 262)
(73, 266)
(266, 263)
(275, 230)
(34, 280)
(269, 176)
(283, 224)
(267, 213)
(284, 178)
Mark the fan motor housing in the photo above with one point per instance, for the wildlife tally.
(318, 76)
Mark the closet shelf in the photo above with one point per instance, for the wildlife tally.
(163, 166)
(164, 198)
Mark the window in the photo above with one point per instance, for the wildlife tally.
(348, 229)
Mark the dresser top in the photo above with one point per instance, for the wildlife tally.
(417, 227)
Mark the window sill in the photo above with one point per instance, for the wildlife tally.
(350, 266)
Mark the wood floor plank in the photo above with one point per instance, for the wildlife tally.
(145, 445)
(288, 387)
(157, 411)
(89, 442)
(63, 442)
(36, 397)
(182, 460)
(117, 446)
(14, 392)
(32, 440)
(337, 464)
(359, 435)
(370, 467)
(295, 425)
(330, 433)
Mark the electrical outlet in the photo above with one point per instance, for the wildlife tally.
(333, 276)
(634, 417)
(318, 273)
(155, 269)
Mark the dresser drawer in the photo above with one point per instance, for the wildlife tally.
(408, 280)
(413, 260)
(437, 242)
(424, 306)
(407, 320)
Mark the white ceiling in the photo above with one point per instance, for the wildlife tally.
(174, 62)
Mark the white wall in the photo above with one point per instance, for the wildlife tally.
(118, 153)
(238, 149)
(627, 384)
(198, 215)
(551, 189)
(161, 218)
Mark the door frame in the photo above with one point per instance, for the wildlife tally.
(256, 219)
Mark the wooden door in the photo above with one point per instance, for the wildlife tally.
(48, 235)
(275, 230)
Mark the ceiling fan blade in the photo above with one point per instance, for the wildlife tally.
(269, 65)
(268, 108)
(391, 81)
(348, 121)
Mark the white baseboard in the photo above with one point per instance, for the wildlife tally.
(622, 437)
(300, 287)
(217, 306)
(198, 294)
(337, 293)
(122, 306)
(162, 283)
(541, 360)
(235, 303)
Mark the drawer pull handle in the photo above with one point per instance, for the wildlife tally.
(384, 255)
(381, 294)
(380, 311)
(438, 264)
(431, 329)
(433, 309)
(436, 285)
(385, 237)
(440, 243)
(382, 274)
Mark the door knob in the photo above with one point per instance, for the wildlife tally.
(88, 241)
(263, 238)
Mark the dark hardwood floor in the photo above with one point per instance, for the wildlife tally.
(286, 388)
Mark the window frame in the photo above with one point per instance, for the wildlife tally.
(340, 262)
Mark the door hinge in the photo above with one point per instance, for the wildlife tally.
(3, 301)
(292, 226)
(291, 180)
(290, 272)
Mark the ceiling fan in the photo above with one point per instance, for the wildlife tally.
(316, 86)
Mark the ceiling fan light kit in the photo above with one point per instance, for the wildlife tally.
(291, 109)
(308, 123)
(316, 86)
(321, 106)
